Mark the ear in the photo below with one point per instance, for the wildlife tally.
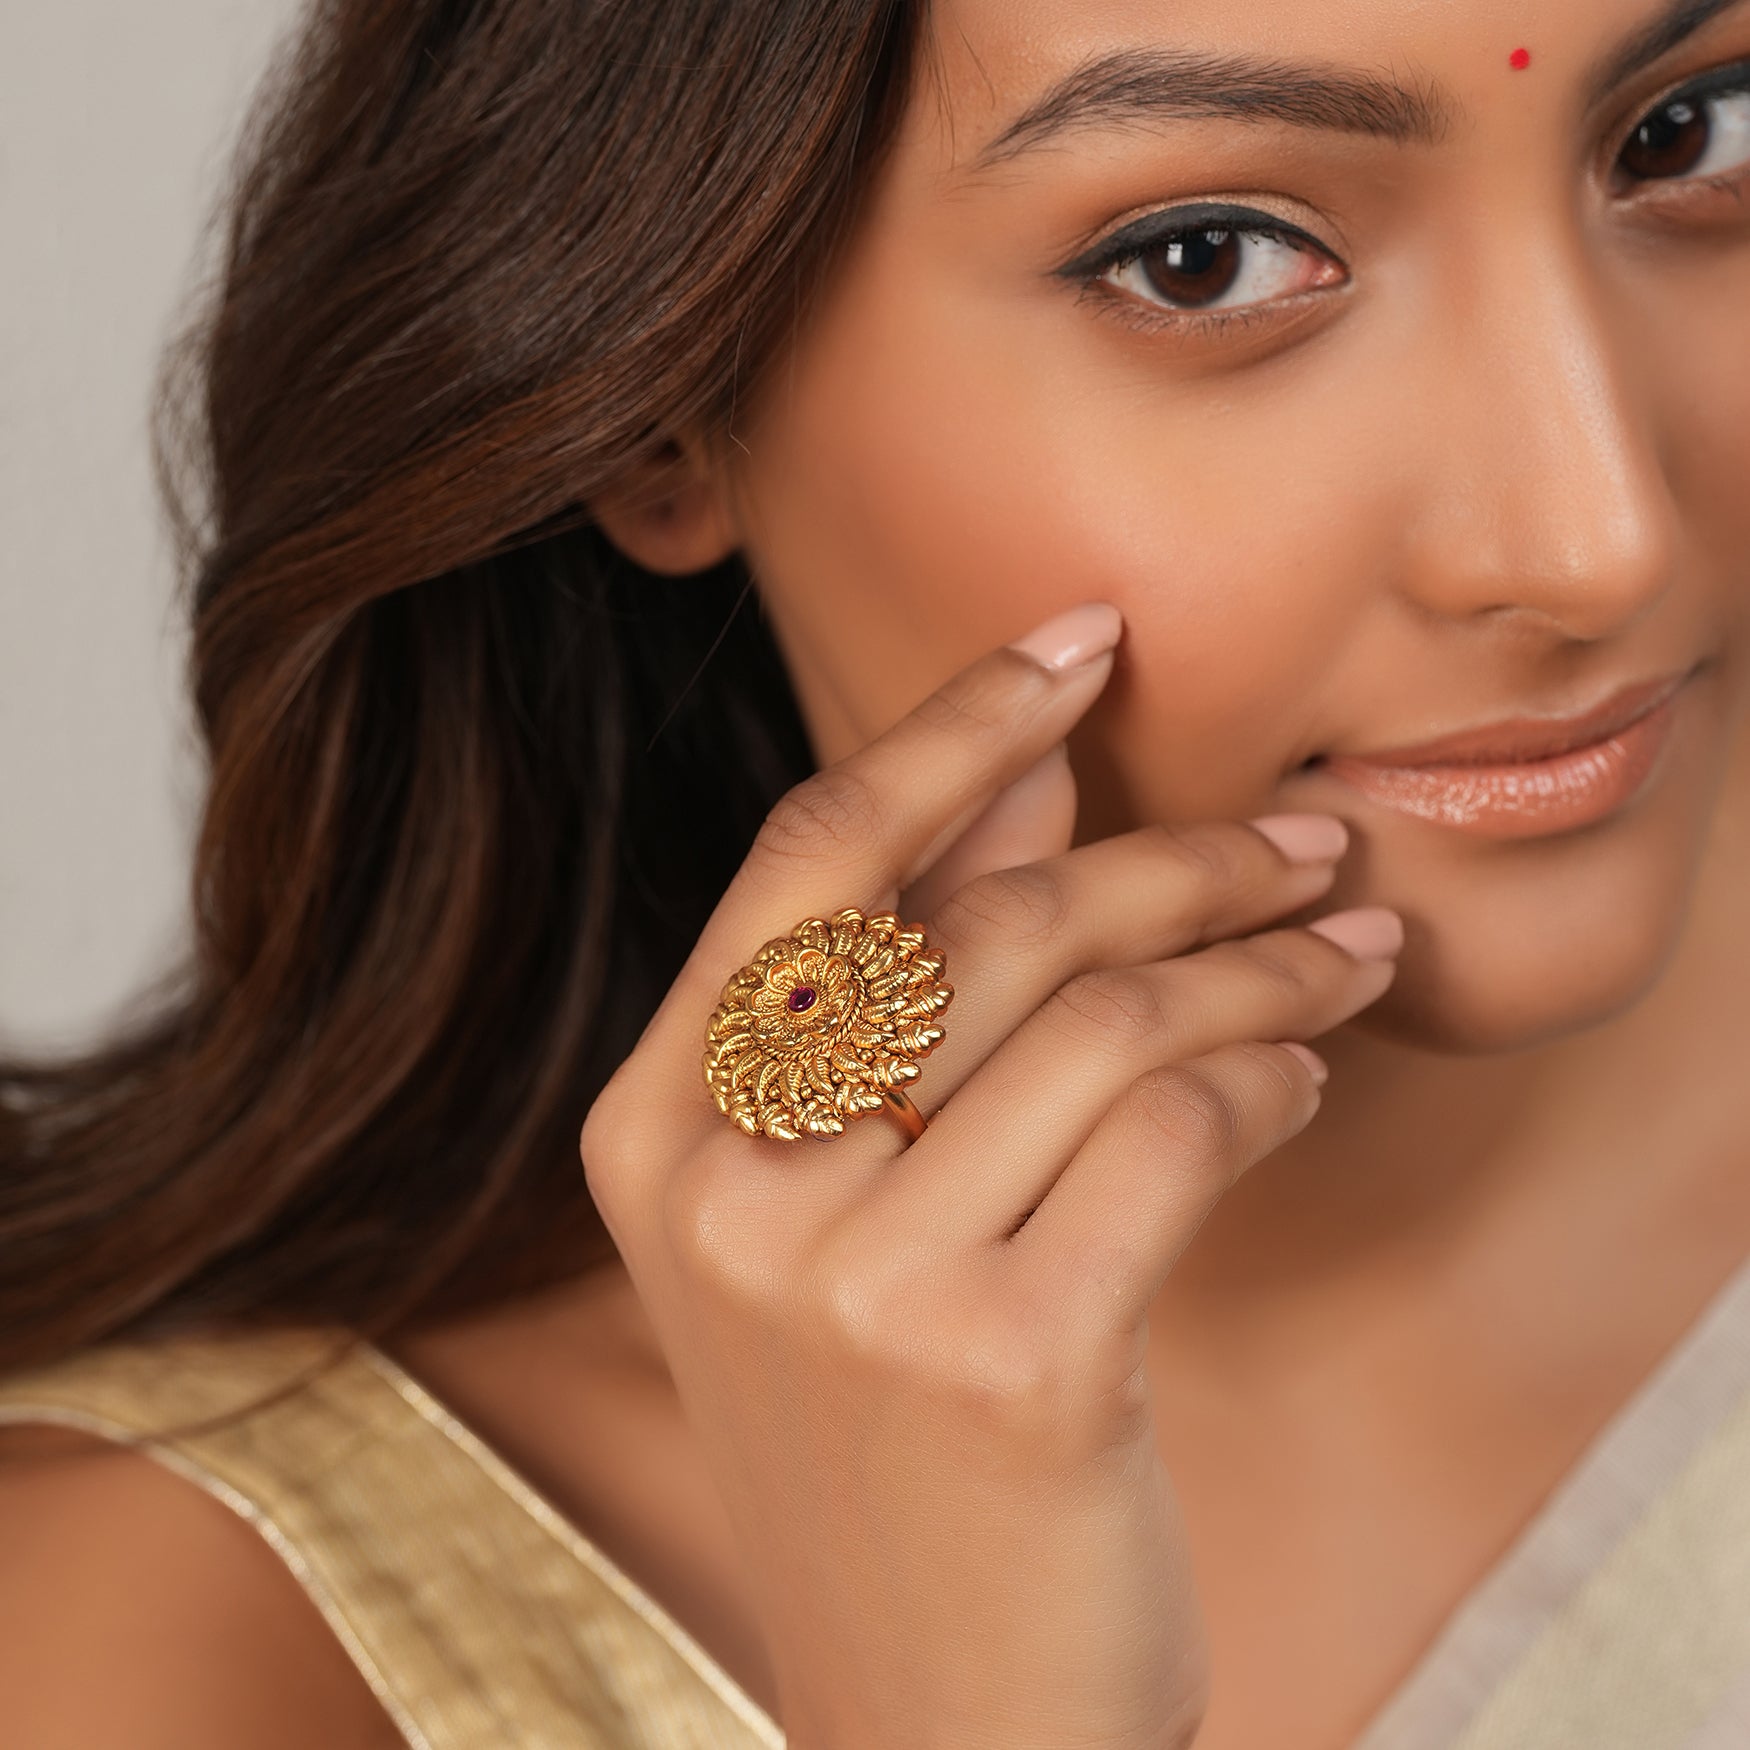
(672, 512)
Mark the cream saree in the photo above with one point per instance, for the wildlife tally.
(1619, 1619)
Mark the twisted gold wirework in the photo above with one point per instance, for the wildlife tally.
(822, 1026)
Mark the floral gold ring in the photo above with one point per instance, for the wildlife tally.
(822, 1026)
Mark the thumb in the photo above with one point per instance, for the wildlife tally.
(1033, 818)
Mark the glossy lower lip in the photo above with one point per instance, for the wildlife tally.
(1523, 798)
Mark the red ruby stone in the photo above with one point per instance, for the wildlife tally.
(801, 998)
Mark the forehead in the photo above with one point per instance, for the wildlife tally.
(991, 58)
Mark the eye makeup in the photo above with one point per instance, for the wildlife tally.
(1154, 230)
(1665, 129)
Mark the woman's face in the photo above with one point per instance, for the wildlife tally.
(1464, 441)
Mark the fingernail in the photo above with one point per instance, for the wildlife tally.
(1317, 1068)
(1370, 932)
(1073, 638)
(1305, 838)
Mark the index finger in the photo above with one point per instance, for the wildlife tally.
(875, 819)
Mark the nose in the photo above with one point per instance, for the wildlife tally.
(1542, 491)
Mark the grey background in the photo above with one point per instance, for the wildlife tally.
(116, 121)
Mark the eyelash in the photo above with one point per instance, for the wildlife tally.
(1092, 269)
(1128, 246)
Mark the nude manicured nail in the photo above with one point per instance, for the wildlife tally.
(1073, 638)
(1370, 932)
(1317, 1068)
(1305, 838)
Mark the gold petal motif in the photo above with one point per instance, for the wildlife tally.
(784, 1072)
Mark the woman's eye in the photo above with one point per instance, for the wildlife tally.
(1210, 269)
(1206, 272)
(1698, 134)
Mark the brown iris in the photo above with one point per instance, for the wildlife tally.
(1668, 143)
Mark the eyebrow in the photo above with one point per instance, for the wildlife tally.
(1155, 84)
(1650, 42)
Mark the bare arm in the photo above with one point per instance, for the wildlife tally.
(137, 1612)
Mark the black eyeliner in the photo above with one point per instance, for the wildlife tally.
(1733, 77)
(1145, 233)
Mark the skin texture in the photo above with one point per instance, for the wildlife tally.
(1497, 469)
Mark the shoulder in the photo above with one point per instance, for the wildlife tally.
(137, 1610)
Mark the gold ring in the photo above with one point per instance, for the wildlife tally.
(823, 1024)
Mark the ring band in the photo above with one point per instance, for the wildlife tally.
(822, 1026)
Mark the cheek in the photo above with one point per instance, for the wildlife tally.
(945, 485)
(1701, 373)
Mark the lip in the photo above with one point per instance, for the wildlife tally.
(1518, 740)
(1582, 768)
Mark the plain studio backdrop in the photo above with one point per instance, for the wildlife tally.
(116, 120)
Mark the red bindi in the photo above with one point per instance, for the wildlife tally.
(1519, 58)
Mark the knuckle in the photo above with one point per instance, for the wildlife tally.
(599, 1148)
(1127, 1398)
(1282, 962)
(688, 1219)
(708, 1238)
(606, 1147)
(830, 810)
(1207, 856)
(1020, 907)
(1191, 1108)
(1006, 1374)
(977, 705)
(853, 1306)
(1122, 1006)
(858, 1301)
(1117, 1387)
(1081, 1374)
(1006, 1379)
(986, 1368)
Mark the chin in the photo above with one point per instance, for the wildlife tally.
(1520, 957)
(1459, 1017)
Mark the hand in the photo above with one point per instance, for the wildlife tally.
(917, 1373)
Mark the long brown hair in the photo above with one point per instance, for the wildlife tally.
(476, 780)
